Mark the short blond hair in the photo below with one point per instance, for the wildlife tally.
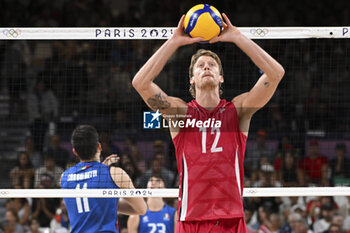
(194, 59)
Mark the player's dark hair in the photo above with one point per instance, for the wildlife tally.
(158, 176)
(85, 140)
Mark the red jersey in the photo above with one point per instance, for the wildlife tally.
(210, 163)
(313, 167)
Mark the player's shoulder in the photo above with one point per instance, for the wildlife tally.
(118, 174)
(71, 169)
(116, 169)
(169, 208)
(237, 101)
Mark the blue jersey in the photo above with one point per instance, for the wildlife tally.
(158, 222)
(90, 215)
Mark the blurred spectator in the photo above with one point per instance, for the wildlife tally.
(267, 178)
(50, 169)
(44, 209)
(302, 227)
(264, 213)
(315, 166)
(34, 227)
(60, 154)
(290, 175)
(161, 157)
(156, 169)
(326, 217)
(258, 151)
(300, 209)
(347, 224)
(108, 147)
(22, 209)
(275, 221)
(133, 150)
(158, 146)
(13, 70)
(334, 228)
(340, 172)
(12, 225)
(316, 109)
(42, 106)
(34, 155)
(60, 223)
(290, 206)
(250, 217)
(284, 145)
(338, 220)
(313, 207)
(291, 223)
(277, 122)
(22, 175)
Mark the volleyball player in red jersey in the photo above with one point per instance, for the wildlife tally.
(209, 155)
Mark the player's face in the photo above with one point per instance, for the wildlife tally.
(155, 183)
(206, 71)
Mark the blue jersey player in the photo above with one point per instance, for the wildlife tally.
(93, 215)
(159, 218)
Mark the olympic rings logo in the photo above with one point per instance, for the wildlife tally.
(251, 191)
(4, 193)
(259, 32)
(11, 33)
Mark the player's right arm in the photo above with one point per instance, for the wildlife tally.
(154, 97)
(133, 223)
(132, 205)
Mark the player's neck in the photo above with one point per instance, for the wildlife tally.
(96, 158)
(155, 203)
(89, 161)
(208, 99)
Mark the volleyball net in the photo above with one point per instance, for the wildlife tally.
(53, 79)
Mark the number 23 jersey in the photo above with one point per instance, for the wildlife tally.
(210, 153)
(161, 221)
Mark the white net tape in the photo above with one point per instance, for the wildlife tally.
(105, 193)
(154, 33)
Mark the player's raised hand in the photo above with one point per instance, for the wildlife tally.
(110, 160)
(229, 34)
(181, 37)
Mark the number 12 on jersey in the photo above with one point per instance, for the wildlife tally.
(214, 147)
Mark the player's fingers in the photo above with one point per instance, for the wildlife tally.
(111, 159)
(227, 20)
(197, 39)
(181, 22)
(214, 40)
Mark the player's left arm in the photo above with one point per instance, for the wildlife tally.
(133, 223)
(130, 205)
(250, 102)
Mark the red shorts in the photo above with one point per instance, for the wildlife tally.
(235, 225)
